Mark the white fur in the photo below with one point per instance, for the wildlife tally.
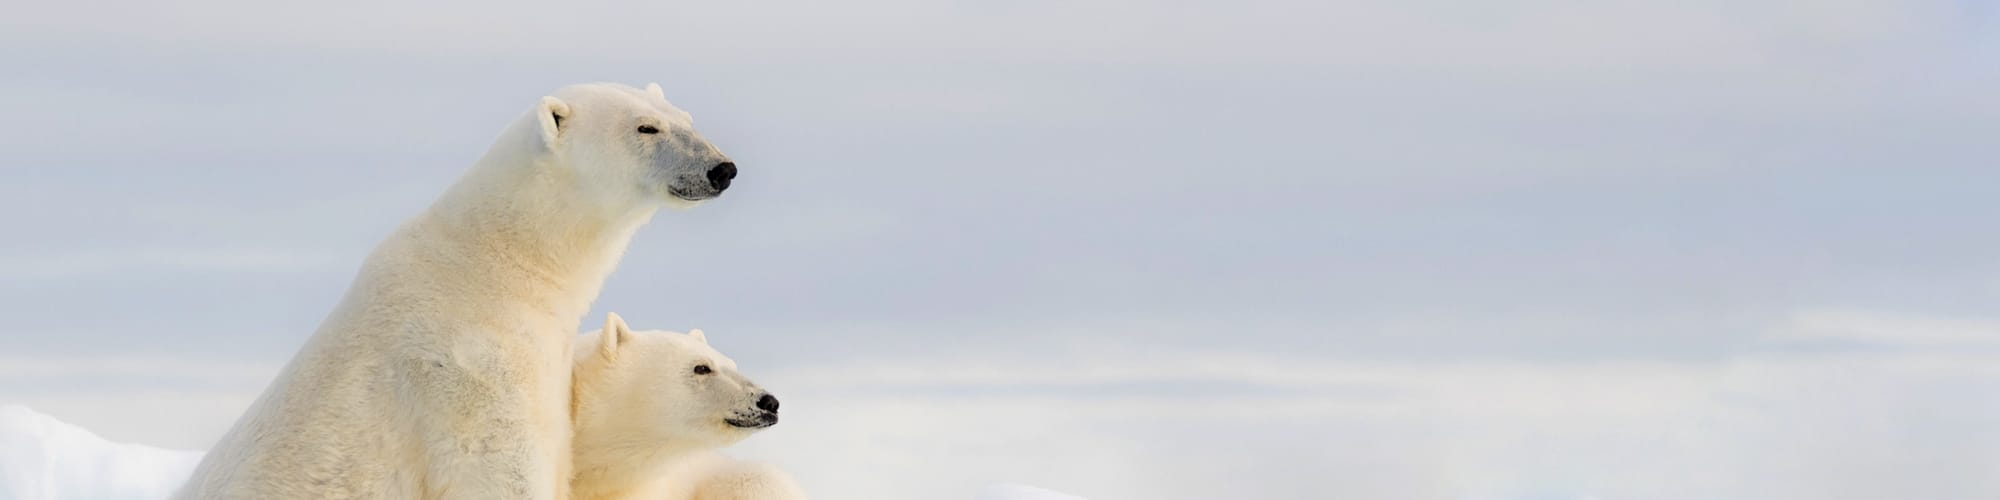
(648, 425)
(445, 370)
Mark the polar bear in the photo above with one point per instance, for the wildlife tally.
(651, 409)
(445, 370)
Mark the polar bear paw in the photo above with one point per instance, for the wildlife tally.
(748, 481)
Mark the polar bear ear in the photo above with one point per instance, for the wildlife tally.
(615, 335)
(696, 333)
(551, 113)
(654, 88)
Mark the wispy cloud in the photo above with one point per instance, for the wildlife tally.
(1755, 426)
(157, 261)
(1551, 35)
(1891, 329)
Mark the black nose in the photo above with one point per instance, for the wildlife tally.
(721, 174)
(767, 403)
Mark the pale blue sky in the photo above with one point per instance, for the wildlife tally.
(1542, 249)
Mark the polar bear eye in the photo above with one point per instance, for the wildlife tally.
(701, 369)
(648, 129)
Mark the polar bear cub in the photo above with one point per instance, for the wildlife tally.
(651, 408)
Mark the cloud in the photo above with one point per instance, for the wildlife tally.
(1891, 329)
(18, 369)
(1550, 35)
(1764, 426)
(135, 261)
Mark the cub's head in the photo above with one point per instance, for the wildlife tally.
(627, 143)
(663, 389)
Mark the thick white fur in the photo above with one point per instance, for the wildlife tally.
(647, 426)
(445, 370)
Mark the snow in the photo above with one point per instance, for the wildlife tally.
(42, 458)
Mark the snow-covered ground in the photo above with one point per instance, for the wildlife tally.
(42, 458)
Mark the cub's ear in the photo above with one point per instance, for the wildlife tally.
(616, 334)
(551, 113)
(696, 333)
(654, 88)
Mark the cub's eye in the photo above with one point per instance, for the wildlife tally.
(648, 129)
(701, 369)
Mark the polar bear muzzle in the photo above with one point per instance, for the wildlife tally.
(719, 178)
(765, 415)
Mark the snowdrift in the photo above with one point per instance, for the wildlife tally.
(42, 458)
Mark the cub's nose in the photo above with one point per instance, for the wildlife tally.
(720, 175)
(768, 403)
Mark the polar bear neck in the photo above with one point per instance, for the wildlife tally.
(614, 469)
(520, 215)
(611, 457)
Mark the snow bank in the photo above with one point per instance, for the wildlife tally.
(42, 458)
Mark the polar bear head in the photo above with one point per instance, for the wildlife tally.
(624, 144)
(662, 390)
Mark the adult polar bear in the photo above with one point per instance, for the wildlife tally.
(445, 370)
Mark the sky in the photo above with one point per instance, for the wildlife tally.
(1524, 250)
